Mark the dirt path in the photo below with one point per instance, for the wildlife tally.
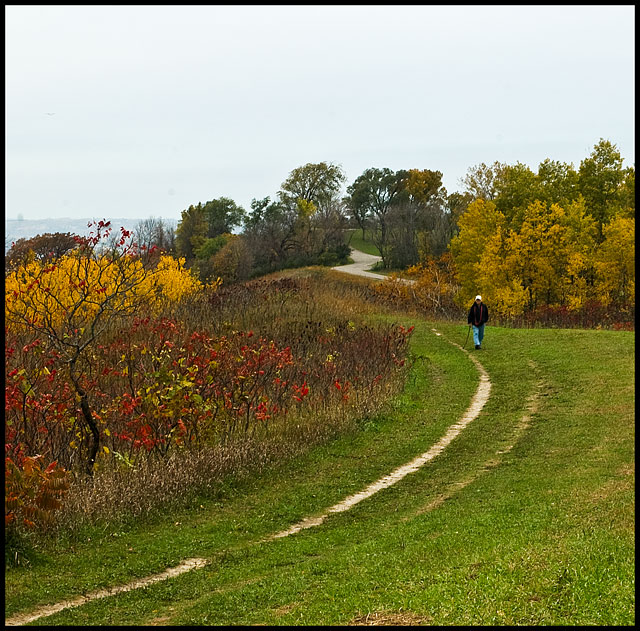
(49, 610)
(361, 264)
(477, 403)
(481, 396)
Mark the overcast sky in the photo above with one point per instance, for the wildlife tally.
(138, 111)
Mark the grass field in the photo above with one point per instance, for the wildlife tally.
(526, 518)
(364, 245)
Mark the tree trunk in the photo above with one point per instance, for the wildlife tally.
(95, 433)
(88, 418)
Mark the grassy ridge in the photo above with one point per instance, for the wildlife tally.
(529, 529)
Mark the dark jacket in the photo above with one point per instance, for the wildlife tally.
(478, 314)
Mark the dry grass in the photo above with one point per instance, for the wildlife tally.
(389, 618)
(156, 485)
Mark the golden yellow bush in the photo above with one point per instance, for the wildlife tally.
(76, 288)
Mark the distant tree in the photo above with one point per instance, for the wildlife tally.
(204, 256)
(628, 193)
(328, 224)
(375, 192)
(211, 246)
(478, 225)
(423, 186)
(234, 261)
(557, 182)
(600, 180)
(269, 229)
(481, 180)
(413, 221)
(310, 199)
(516, 186)
(455, 204)
(318, 183)
(154, 231)
(615, 263)
(222, 215)
(191, 232)
(42, 247)
(360, 214)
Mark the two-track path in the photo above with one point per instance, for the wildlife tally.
(362, 262)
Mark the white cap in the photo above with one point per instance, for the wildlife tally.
(478, 297)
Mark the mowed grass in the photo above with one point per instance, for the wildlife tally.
(526, 518)
(366, 245)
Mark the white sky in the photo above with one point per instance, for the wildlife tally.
(159, 107)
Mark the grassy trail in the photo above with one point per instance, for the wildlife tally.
(526, 518)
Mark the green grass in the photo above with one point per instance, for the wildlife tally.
(536, 528)
(365, 245)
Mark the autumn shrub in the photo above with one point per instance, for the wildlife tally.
(217, 406)
(156, 485)
(33, 492)
(241, 375)
(592, 314)
(431, 290)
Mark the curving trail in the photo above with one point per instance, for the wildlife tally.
(481, 396)
(49, 610)
(362, 262)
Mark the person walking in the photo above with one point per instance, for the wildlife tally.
(478, 315)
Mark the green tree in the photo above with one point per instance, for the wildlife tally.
(455, 204)
(419, 225)
(516, 187)
(318, 184)
(480, 180)
(628, 193)
(269, 229)
(557, 182)
(600, 180)
(211, 246)
(375, 192)
(223, 215)
(234, 261)
(191, 232)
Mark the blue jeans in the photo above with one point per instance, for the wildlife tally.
(478, 334)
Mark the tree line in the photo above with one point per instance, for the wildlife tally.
(558, 236)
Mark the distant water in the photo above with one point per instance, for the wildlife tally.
(15, 229)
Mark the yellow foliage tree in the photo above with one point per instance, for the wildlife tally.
(581, 236)
(615, 263)
(498, 278)
(477, 226)
(539, 252)
(70, 302)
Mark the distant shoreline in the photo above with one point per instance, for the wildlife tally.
(15, 229)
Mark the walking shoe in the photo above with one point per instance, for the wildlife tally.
(477, 347)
